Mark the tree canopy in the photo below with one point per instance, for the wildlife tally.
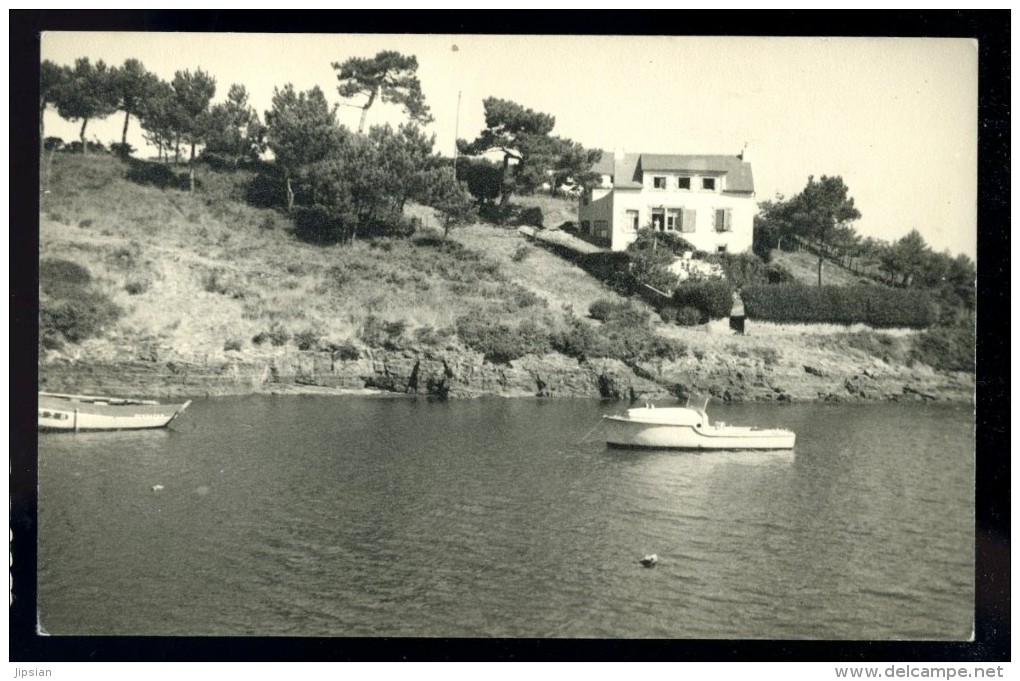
(87, 92)
(133, 85)
(193, 92)
(524, 135)
(235, 133)
(389, 76)
(301, 130)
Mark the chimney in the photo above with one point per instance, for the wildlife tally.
(618, 154)
(744, 155)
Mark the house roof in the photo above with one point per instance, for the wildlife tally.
(627, 171)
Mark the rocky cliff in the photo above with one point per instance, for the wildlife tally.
(728, 378)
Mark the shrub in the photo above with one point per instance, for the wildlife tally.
(232, 344)
(624, 312)
(377, 332)
(122, 149)
(57, 275)
(347, 350)
(601, 309)
(688, 316)
(945, 349)
(260, 338)
(521, 253)
(777, 274)
(314, 224)
(278, 335)
(306, 340)
(78, 317)
(426, 335)
(768, 355)
(531, 216)
(502, 343)
(137, 286)
(72, 308)
(712, 298)
(515, 297)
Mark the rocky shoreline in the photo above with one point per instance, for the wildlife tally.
(467, 375)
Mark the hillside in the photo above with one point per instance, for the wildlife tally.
(804, 267)
(219, 296)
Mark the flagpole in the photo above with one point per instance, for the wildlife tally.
(456, 134)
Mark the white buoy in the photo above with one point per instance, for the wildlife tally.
(156, 488)
(650, 560)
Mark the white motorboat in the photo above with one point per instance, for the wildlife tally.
(687, 428)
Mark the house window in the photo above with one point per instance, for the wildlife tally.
(723, 219)
(601, 229)
(683, 183)
(658, 219)
(632, 220)
(659, 182)
(674, 219)
(687, 220)
(585, 226)
(720, 248)
(708, 183)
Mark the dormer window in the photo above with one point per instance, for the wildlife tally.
(683, 183)
(659, 182)
(708, 183)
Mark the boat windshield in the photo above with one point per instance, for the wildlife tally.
(698, 402)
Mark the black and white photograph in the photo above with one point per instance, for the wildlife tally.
(444, 336)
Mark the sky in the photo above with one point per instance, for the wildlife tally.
(896, 118)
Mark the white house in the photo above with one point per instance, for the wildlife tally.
(706, 199)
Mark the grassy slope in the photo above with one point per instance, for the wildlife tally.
(804, 266)
(215, 270)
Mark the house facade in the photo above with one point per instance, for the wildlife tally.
(706, 199)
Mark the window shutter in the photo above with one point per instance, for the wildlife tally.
(689, 219)
(729, 219)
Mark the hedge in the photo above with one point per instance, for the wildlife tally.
(713, 298)
(876, 306)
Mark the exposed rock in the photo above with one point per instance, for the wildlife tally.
(467, 374)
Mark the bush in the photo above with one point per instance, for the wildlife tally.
(78, 317)
(624, 312)
(521, 253)
(777, 274)
(945, 349)
(57, 276)
(515, 297)
(876, 306)
(426, 335)
(315, 225)
(232, 344)
(688, 316)
(601, 309)
(502, 343)
(123, 150)
(377, 332)
(531, 217)
(72, 308)
(347, 350)
(278, 335)
(137, 286)
(712, 298)
(306, 340)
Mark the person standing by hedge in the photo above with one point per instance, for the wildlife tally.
(737, 313)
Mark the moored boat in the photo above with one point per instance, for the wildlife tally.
(687, 428)
(90, 412)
